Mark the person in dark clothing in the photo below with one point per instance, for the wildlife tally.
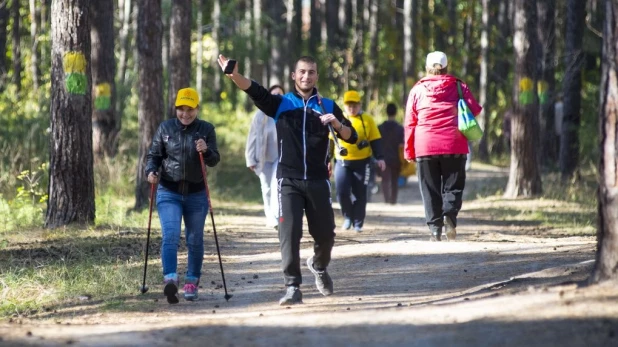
(302, 118)
(392, 144)
(181, 193)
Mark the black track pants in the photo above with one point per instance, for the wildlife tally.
(313, 197)
(441, 180)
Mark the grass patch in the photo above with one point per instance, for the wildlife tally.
(72, 266)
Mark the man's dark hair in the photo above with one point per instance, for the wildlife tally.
(306, 59)
(391, 110)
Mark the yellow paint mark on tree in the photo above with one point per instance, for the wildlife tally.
(103, 89)
(74, 62)
(102, 96)
(526, 96)
(542, 88)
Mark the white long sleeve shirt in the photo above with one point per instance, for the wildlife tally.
(261, 144)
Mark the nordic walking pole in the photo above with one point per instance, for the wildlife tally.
(144, 288)
(214, 229)
(342, 151)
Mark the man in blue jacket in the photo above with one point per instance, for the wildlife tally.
(302, 118)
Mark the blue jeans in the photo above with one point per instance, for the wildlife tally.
(173, 207)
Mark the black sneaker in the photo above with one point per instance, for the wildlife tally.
(170, 290)
(292, 296)
(451, 231)
(322, 280)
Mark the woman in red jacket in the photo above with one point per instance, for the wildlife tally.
(433, 139)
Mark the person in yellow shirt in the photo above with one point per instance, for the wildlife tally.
(352, 171)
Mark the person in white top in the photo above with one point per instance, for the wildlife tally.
(261, 154)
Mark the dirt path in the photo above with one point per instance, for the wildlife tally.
(503, 282)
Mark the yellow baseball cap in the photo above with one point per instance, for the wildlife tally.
(187, 97)
(351, 96)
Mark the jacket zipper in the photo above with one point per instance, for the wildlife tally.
(305, 135)
(184, 166)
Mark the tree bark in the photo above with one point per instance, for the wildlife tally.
(606, 265)
(483, 150)
(315, 27)
(16, 41)
(524, 176)
(35, 15)
(408, 47)
(372, 62)
(4, 20)
(292, 42)
(332, 24)
(71, 178)
(105, 124)
(547, 81)
(468, 50)
(150, 108)
(180, 52)
(123, 39)
(571, 87)
(276, 32)
(216, 26)
(200, 48)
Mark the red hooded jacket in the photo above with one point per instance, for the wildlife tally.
(430, 125)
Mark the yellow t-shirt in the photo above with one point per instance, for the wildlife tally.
(370, 132)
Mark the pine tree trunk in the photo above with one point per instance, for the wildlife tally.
(35, 15)
(571, 87)
(71, 178)
(180, 52)
(150, 108)
(606, 266)
(276, 32)
(332, 23)
(524, 176)
(468, 31)
(216, 26)
(408, 47)
(105, 124)
(17, 67)
(483, 150)
(315, 28)
(4, 20)
(200, 48)
(547, 81)
(123, 40)
(372, 62)
(292, 42)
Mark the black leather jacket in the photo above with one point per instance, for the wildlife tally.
(173, 150)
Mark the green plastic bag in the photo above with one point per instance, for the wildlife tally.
(466, 122)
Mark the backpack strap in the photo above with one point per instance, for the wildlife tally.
(459, 89)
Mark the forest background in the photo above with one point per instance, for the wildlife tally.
(518, 57)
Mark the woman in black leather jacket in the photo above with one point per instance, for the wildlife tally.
(181, 190)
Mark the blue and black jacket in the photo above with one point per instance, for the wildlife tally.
(303, 139)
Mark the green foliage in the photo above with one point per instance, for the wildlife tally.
(71, 266)
(31, 189)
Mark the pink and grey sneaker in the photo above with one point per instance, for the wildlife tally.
(190, 289)
(170, 289)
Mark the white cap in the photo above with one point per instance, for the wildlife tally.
(436, 57)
